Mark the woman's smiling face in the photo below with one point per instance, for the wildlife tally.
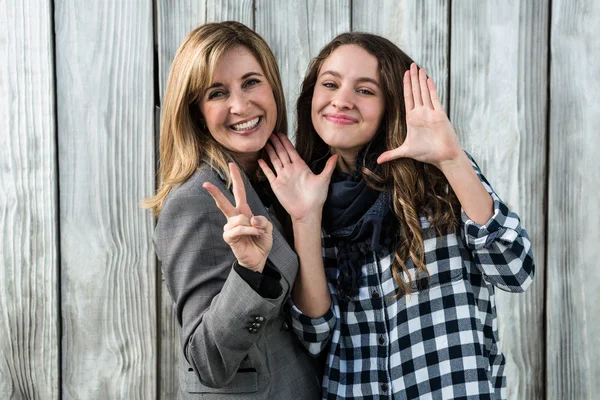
(348, 102)
(239, 107)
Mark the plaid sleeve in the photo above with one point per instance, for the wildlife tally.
(501, 248)
(314, 333)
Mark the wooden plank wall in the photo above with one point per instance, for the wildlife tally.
(29, 289)
(82, 301)
(105, 108)
(573, 301)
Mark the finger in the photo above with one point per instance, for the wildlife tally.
(289, 147)
(409, 102)
(392, 155)
(281, 152)
(235, 234)
(239, 192)
(261, 222)
(435, 98)
(274, 158)
(329, 167)
(424, 89)
(414, 82)
(267, 171)
(222, 203)
(238, 220)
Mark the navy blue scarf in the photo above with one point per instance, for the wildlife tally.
(360, 220)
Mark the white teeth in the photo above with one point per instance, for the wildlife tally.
(246, 125)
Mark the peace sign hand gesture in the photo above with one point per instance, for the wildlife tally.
(430, 137)
(250, 237)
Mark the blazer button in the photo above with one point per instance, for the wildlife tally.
(259, 319)
(252, 330)
(255, 325)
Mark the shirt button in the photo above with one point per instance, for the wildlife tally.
(285, 326)
(381, 340)
(384, 387)
(375, 295)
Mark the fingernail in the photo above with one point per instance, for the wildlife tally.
(262, 231)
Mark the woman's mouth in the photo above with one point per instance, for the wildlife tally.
(246, 126)
(340, 119)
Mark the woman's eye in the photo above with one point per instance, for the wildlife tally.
(216, 94)
(329, 85)
(365, 91)
(251, 82)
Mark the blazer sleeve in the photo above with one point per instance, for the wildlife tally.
(501, 248)
(219, 313)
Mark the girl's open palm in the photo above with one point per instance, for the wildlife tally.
(430, 137)
(250, 237)
(299, 191)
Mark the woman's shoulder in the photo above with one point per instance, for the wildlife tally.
(192, 186)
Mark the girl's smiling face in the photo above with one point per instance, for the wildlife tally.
(348, 102)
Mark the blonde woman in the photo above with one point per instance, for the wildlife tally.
(223, 100)
(399, 291)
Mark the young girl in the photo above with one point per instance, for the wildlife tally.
(414, 240)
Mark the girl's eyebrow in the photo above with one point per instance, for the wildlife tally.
(246, 75)
(361, 79)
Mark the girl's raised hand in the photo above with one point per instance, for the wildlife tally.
(299, 191)
(250, 237)
(430, 137)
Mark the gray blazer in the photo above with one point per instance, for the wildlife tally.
(223, 358)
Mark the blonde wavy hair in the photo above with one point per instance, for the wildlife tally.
(417, 189)
(184, 138)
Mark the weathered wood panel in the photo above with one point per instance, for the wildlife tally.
(29, 319)
(296, 32)
(573, 302)
(498, 86)
(419, 28)
(175, 20)
(105, 94)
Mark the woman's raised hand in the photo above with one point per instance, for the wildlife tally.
(250, 237)
(430, 137)
(299, 191)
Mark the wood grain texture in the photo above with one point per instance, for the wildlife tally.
(296, 32)
(573, 303)
(105, 94)
(174, 21)
(419, 28)
(498, 95)
(29, 319)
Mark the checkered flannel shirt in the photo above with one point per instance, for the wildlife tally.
(440, 342)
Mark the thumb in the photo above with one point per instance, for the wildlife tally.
(329, 167)
(261, 222)
(390, 155)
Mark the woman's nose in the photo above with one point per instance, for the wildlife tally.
(239, 104)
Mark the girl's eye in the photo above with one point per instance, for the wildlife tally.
(251, 82)
(365, 91)
(216, 94)
(329, 85)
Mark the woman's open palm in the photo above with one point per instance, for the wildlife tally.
(250, 237)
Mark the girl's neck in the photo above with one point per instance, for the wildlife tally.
(346, 161)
